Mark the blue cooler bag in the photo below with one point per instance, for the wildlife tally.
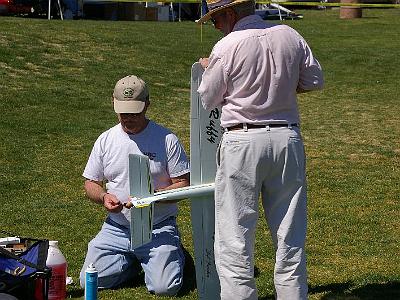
(25, 275)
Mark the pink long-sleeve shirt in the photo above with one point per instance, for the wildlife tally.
(254, 72)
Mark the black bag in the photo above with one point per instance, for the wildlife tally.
(25, 275)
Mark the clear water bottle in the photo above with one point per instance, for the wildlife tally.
(56, 261)
(91, 277)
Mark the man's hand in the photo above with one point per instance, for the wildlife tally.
(128, 204)
(95, 192)
(204, 62)
(111, 203)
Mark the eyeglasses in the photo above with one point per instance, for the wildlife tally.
(213, 19)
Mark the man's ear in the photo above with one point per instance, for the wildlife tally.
(146, 106)
(231, 12)
(231, 16)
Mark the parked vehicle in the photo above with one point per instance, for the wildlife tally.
(274, 11)
(24, 7)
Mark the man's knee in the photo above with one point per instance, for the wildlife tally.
(165, 283)
(165, 288)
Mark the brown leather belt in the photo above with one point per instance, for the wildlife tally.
(250, 126)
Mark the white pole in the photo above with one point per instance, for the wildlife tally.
(48, 14)
(172, 11)
(280, 7)
(59, 7)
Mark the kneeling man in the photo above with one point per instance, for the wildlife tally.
(162, 260)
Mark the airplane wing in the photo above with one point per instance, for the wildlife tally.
(175, 194)
(205, 135)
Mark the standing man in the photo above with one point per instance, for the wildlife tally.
(254, 73)
(162, 259)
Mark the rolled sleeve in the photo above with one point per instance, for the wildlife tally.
(311, 77)
(214, 83)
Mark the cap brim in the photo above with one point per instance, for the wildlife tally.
(128, 107)
(207, 16)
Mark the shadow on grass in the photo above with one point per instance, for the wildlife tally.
(347, 291)
(269, 297)
(188, 285)
(189, 275)
(373, 291)
(75, 292)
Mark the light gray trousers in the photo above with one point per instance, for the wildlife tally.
(270, 161)
(162, 260)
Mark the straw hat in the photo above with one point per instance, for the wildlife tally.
(217, 5)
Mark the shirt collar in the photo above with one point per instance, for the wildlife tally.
(246, 22)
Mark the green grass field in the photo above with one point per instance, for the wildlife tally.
(56, 81)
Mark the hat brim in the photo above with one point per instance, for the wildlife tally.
(128, 107)
(208, 15)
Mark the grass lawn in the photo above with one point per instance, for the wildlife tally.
(56, 81)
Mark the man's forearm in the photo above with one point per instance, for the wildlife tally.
(177, 182)
(95, 191)
(175, 185)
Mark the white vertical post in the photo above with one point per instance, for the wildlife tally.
(59, 7)
(171, 7)
(49, 11)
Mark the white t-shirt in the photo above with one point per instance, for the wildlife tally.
(109, 161)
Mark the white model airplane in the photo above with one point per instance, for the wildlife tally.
(205, 135)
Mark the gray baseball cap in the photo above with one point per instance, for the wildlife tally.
(130, 95)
